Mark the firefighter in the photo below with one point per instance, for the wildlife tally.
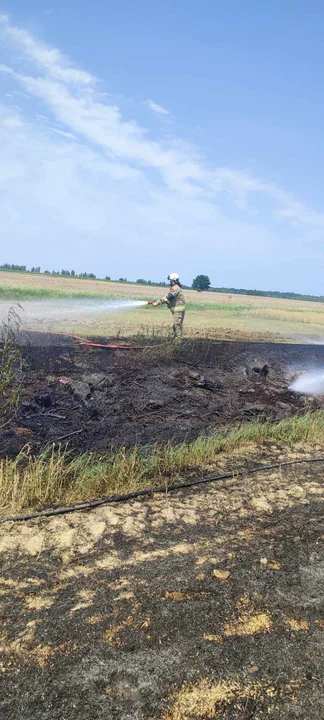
(176, 303)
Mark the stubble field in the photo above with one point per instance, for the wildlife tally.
(217, 315)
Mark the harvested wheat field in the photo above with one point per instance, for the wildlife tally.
(217, 315)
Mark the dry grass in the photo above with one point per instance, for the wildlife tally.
(207, 699)
(215, 314)
(72, 286)
(56, 477)
(10, 368)
(198, 323)
(298, 625)
(250, 624)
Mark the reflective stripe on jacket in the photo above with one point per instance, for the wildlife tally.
(175, 299)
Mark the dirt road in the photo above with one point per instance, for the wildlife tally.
(203, 604)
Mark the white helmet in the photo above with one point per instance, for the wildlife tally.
(173, 276)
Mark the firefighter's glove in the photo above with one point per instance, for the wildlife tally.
(156, 303)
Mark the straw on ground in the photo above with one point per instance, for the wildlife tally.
(57, 477)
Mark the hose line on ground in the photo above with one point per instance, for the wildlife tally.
(90, 504)
(88, 343)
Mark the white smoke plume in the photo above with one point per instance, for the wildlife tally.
(309, 383)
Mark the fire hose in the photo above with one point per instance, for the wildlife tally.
(195, 482)
(109, 346)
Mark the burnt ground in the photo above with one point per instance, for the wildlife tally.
(99, 398)
(200, 604)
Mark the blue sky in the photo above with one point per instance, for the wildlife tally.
(144, 138)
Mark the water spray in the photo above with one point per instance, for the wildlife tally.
(309, 383)
(58, 308)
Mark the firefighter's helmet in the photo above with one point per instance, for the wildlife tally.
(174, 277)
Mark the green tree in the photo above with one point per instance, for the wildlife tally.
(201, 283)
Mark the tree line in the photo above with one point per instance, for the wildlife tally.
(72, 273)
(64, 273)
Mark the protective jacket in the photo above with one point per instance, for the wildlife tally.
(175, 299)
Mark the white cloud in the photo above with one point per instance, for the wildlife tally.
(100, 187)
(61, 132)
(157, 108)
(50, 59)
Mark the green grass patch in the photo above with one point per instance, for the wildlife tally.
(56, 477)
(219, 307)
(18, 293)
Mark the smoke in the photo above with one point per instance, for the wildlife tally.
(309, 383)
(305, 339)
